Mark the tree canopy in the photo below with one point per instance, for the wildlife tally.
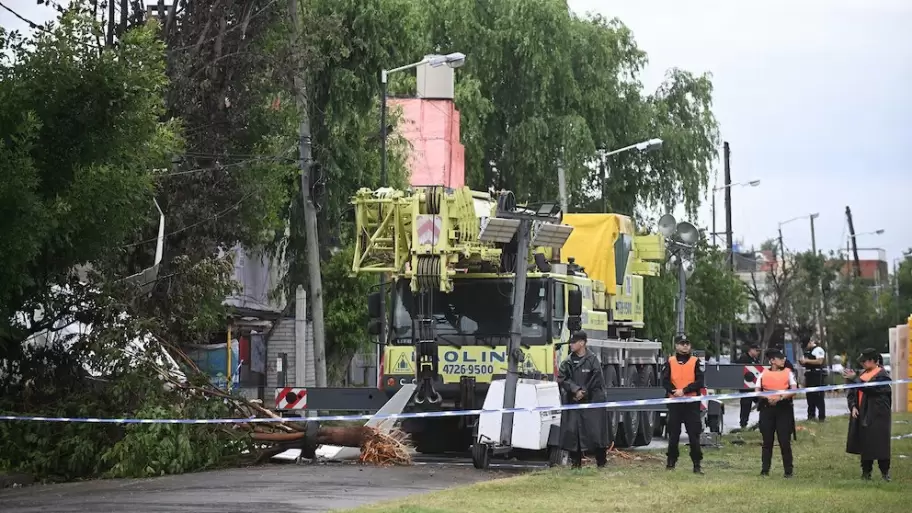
(101, 119)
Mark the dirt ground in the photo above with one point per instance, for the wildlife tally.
(266, 489)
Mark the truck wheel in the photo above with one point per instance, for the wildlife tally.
(658, 431)
(611, 380)
(557, 457)
(713, 424)
(481, 457)
(647, 418)
(630, 420)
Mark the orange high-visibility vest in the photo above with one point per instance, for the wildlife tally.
(683, 374)
(775, 380)
(867, 376)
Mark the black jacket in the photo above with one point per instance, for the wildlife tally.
(583, 430)
(869, 434)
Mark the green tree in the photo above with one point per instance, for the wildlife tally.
(857, 318)
(564, 87)
(715, 296)
(81, 138)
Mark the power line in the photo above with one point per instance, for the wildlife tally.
(235, 27)
(224, 166)
(194, 225)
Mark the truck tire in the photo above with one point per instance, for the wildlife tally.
(630, 420)
(714, 423)
(481, 456)
(441, 435)
(557, 457)
(612, 381)
(658, 431)
(648, 419)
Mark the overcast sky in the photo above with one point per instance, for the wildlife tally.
(812, 96)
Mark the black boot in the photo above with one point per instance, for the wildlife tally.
(670, 465)
(866, 475)
(886, 477)
(698, 469)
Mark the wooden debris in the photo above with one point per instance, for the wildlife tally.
(273, 438)
(384, 449)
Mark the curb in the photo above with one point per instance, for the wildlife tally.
(15, 480)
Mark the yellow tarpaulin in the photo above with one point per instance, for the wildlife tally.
(592, 244)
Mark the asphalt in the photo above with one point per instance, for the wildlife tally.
(265, 489)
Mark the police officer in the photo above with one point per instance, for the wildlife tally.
(749, 357)
(683, 376)
(814, 363)
(580, 379)
(777, 414)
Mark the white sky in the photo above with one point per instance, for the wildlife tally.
(810, 94)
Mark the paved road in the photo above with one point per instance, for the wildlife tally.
(266, 489)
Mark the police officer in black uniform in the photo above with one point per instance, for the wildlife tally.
(749, 357)
(814, 362)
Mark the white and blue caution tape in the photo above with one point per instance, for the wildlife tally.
(460, 413)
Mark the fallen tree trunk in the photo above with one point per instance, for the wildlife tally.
(355, 436)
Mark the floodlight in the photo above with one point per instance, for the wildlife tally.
(667, 225)
(687, 232)
(496, 229)
(453, 60)
(547, 209)
(550, 235)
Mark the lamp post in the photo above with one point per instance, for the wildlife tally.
(752, 183)
(648, 145)
(681, 239)
(453, 60)
(820, 307)
(537, 226)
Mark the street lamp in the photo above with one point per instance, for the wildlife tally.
(751, 183)
(820, 307)
(813, 237)
(453, 60)
(647, 146)
(875, 232)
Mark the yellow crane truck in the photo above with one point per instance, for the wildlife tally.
(448, 312)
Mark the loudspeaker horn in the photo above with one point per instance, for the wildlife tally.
(687, 232)
(667, 225)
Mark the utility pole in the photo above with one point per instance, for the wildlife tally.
(562, 182)
(821, 307)
(726, 155)
(310, 211)
(515, 355)
(781, 249)
(124, 11)
(714, 217)
(853, 242)
(109, 40)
